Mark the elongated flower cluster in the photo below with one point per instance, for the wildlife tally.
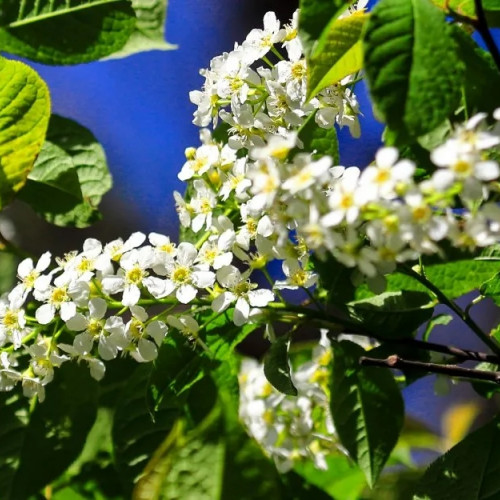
(285, 202)
(290, 428)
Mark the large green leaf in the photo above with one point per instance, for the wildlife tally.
(70, 176)
(277, 366)
(149, 32)
(412, 66)
(24, 116)
(367, 409)
(338, 53)
(469, 471)
(36, 447)
(86, 29)
(467, 8)
(392, 314)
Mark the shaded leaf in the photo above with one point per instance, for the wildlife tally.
(52, 435)
(469, 471)
(393, 314)
(367, 409)
(24, 116)
(70, 156)
(86, 29)
(277, 366)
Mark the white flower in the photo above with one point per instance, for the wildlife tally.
(132, 275)
(185, 323)
(309, 173)
(241, 291)
(259, 42)
(184, 277)
(204, 158)
(297, 277)
(202, 204)
(114, 250)
(142, 349)
(12, 322)
(31, 276)
(95, 327)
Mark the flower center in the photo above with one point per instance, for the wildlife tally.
(135, 275)
(95, 327)
(299, 277)
(10, 320)
(181, 275)
(298, 70)
(59, 295)
(30, 278)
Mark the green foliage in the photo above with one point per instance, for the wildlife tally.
(314, 16)
(414, 76)
(52, 434)
(24, 115)
(337, 54)
(367, 409)
(69, 177)
(392, 314)
(149, 30)
(469, 471)
(277, 366)
(87, 29)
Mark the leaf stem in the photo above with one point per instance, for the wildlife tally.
(395, 362)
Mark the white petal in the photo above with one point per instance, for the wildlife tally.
(223, 301)
(186, 254)
(186, 293)
(487, 170)
(83, 343)
(157, 330)
(203, 279)
(147, 350)
(241, 312)
(97, 308)
(386, 157)
(157, 287)
(97, 368)
(139, 313)
(45, 314)
(112, 284)
(131, 295)
(107, 348)
(77, 323)
(68, 310)
(260, 298)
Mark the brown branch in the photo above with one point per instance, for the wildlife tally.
(396, 362)
(482, 27)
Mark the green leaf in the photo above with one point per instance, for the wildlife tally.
(454, 279)
(467, 8)
(482, 78)
(367, 409)
(87, 30)
(414, 75)
(277, 366)
(337, 54)
(24, 116)
(40, 445)
(469, 471)
(314, 16)
(319, 140)
(70, 176)
(393, 314)
(149, 31)
(491, 289)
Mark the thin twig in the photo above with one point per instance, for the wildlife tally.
(396, 362)
(454, 307)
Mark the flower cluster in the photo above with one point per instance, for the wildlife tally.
(92, 302)
(289, 428)
(286, 203)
